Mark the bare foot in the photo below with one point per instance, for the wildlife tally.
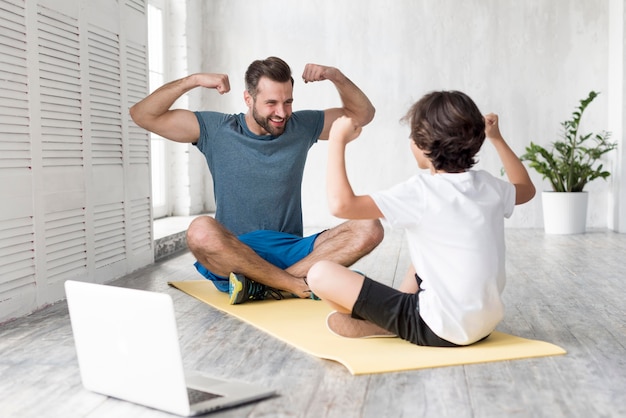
(345, 326)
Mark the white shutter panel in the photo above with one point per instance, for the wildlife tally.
(66, 245)
(61, 141)
(140, 228)
(106, 146)
(138, 5)
(74, 170)
(137, 88)
(17, 249)
(104, 97)
(110, 246)
(60, 89)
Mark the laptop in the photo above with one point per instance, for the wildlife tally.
(127, 347)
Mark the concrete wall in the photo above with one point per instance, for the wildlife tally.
(528, 61)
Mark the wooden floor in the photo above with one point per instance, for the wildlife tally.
(568, 290)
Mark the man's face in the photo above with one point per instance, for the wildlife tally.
(271, 109)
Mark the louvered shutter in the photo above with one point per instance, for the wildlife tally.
(74, 169)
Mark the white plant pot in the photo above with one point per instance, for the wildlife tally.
(564, 212)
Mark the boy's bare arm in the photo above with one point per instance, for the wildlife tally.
(342, 201)
(515, 170)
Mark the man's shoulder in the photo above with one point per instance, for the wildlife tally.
(307, 120)
(308, 115)
(211, 115)
(212, 121)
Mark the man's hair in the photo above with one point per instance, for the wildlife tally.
(272, 67)
(448, 127)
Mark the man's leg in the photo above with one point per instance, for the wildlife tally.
(344, 244)
(221, 252)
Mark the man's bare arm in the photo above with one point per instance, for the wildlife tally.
(355, 103)
(154, 114)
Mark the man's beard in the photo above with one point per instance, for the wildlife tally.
(267, 125)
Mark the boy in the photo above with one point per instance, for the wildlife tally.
(454, 222)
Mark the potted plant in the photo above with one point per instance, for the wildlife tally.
(569, 165)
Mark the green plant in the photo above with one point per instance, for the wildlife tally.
(574, 161)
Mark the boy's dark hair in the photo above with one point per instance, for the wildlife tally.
(448, 127)
(272, 67)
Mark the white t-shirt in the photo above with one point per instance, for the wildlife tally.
(455, 230)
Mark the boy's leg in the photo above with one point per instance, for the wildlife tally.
(340, 287)
(344, 244)
(345, 325)
(409, 284)
(387, 311)
(221, 252)
(335, 284)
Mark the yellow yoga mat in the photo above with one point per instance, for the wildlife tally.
(302, 324)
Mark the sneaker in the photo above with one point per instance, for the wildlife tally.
(345, 326)
(241, 289)
(310, 292)
(313, 296)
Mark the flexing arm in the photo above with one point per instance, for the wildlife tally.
(515, 170)
(153, 113)
(342, 201)
(356, 105)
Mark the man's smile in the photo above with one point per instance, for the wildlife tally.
(277, 121)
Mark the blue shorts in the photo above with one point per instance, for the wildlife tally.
(278, 248)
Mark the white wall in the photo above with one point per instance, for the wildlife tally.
(616, 111)
(529, 61)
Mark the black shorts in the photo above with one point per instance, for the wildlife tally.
(397, 312)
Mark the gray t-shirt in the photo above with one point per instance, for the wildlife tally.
(258, 179)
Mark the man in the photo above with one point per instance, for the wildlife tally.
(254, 246)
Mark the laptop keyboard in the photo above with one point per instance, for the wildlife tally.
(197, 396)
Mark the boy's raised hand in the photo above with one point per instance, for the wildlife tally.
(344, 130)
(492, 131)
(515, 170)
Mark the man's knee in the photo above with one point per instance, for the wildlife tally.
(203, 233)
(370, 233)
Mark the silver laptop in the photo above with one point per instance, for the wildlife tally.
(127, 347)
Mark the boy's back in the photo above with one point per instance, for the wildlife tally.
(455, 229)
